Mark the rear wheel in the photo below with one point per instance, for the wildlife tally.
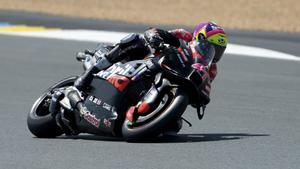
(40, 121)
(170, 109)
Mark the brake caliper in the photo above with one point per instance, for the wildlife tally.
(141, 109)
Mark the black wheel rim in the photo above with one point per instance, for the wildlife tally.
(42, 108)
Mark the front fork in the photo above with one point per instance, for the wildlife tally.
(61, 107)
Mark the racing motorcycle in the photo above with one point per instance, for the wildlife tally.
(170, 82)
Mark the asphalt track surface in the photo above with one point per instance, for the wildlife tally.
(251, 122)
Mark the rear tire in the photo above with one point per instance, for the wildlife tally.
(169, 113)
(40, 121)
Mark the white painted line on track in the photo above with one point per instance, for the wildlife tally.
(77, 35)
(235, 49)
(114, 37)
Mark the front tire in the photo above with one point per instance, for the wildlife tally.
(40, 121)
(174, 108)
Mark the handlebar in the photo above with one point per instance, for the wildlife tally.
(81, 56)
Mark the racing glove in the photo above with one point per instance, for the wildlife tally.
(153, 39)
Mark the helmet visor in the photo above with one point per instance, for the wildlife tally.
(206, 49)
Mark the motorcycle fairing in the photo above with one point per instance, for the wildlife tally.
(103, 104)
(109, 94)
(119, 82)
(128, 69)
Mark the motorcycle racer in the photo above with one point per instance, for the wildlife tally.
(201, 49)
(135, 47)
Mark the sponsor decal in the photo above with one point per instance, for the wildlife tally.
(221, 41)
(186, 53)
(107, 106)
(183, 53)
(95, 100)
(107, 123)
(180, 59)
(117, 68)
(92, 119)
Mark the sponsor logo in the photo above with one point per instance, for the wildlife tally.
(180, 59)
(214, 27)
(186, 52)
(107, 106)
(95, 100)
(92, 119)
(115, 69)
(107, 123)
(221, 41)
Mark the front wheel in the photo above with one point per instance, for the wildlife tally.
(172, 106)
(40, 121)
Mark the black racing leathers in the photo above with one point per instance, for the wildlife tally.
(132, 47)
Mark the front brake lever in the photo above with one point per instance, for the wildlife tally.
(80, 56)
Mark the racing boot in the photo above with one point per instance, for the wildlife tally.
(131, 46)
